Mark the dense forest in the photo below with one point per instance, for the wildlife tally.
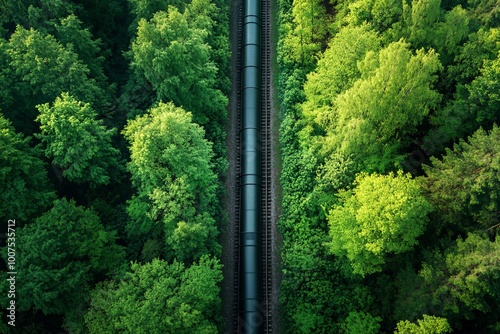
(391, 165)
(113, 157)
(113, 160)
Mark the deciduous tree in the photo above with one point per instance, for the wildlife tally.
(77, 142)
(428, 325)
(25, 190)
(383, 214)
(59, 256)
(171, 166)
(337, 71)
(159, 297)
(392, 97)
(172, 52)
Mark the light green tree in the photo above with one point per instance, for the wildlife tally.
(337, 71)
(420, 18)
(382, 215)
(380, 14)
(159, 298)
(361, 323)
(385, 106)
(77, 142)
(171, 167)
(428, 325)
(310, 27)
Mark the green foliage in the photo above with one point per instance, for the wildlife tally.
(6, 78)
(48, 68)
(59, 256)
(465, 278)
(381, 14)
(65, 64)
(482, 45)
(381, 215)
(420, 17)
(336, 173)
(78, 143)
(476, 105)
(35, 13)
(172, 52)
(464, 185)
(361, 323)
(307, 38)
(486, 11)
(159, 298)
(391, 99)
(428, 325)
(171, 168)
(425, 24)
(146, 9)
(74, 37)
(450, 33)
(335, 74)
(24, 187)
(364, 110)
(317, 294)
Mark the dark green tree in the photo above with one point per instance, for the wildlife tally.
(60, 256)
(73, 36)
(24, 186)
(35, 13)
(44, 69)
(486, 11)
(172, 53)
(476, 105)
(480, 46)
(464, 185)
(468, 274)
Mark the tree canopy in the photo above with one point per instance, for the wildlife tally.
(383, 214)
(159, 297)
(171, 166)
(464, 184)
(86, 86)
(172, 51)
(25, 188)
(392, 97)
(59, 256)
(77, 142)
